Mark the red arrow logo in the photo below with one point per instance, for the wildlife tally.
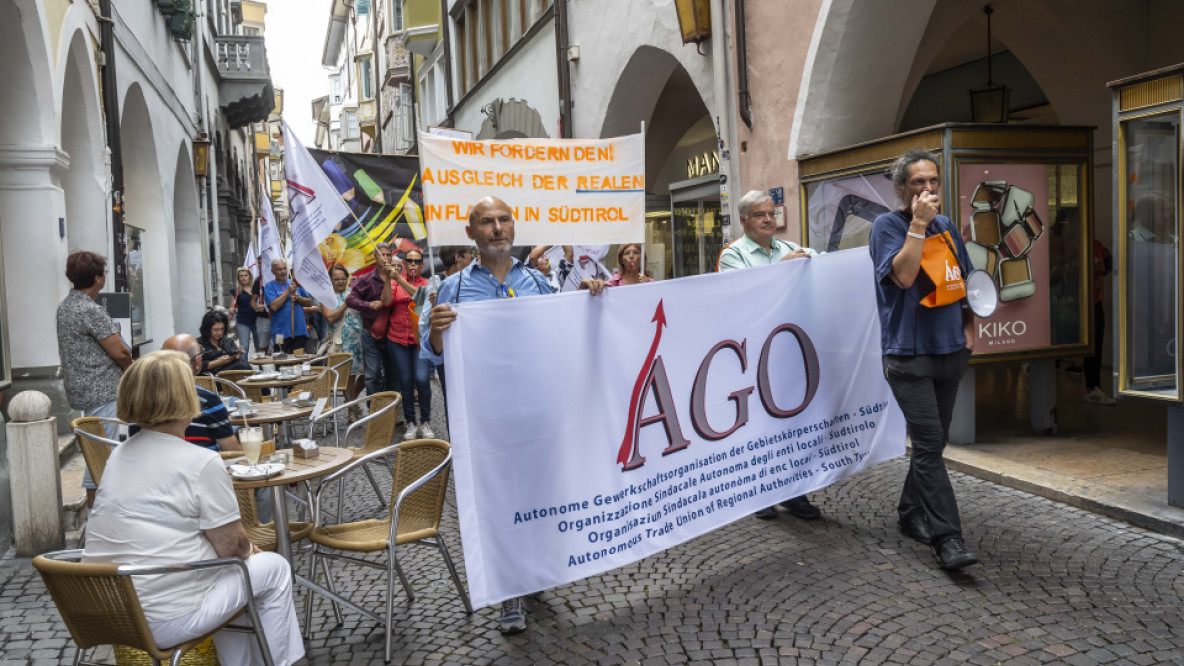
(639, 385)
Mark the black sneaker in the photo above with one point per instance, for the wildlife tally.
(767, 513)
(801, 507)
(513, 619)
(954, 555)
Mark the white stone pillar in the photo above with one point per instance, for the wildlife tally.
(31, 205)
(36, 482)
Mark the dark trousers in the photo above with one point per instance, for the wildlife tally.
(925, 387)
(1093, 364)
(443, 389)
(378, 365)
(295, 342)
(413, 377)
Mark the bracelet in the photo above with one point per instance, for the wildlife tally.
(913, 234)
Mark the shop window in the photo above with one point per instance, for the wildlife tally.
(136, 284)
(1151, 203)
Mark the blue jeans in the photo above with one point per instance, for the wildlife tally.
(413, 376)
(112, 431)
(377, 364)
(257, 332)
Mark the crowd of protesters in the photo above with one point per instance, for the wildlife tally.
(391, 320)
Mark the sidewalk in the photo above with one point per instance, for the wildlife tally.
(1109, 460)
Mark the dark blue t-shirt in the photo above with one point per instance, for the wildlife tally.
(908, 328)
(242, 302)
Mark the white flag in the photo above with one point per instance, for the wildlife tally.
(267, 237)
(315, 209)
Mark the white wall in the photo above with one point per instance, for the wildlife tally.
(530, 75)
(606, 47)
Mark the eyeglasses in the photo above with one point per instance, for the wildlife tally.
(413, 261)
(762, 214)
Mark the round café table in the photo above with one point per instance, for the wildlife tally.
(268, 414)
(297, 470)
(290, 359)
(279, 384)
(330, 460)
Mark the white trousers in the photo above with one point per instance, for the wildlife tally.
(271, 582)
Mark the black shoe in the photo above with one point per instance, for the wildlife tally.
(953, 555)
(915, 527)
(767, 513)
(801, 507)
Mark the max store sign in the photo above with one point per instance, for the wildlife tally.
(652, 380)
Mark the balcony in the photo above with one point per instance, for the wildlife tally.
(245, 91)
(398, 61)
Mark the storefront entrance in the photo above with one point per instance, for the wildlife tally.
(696, 234)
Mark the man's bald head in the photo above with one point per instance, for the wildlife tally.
(484, 204)
(186, 344)
(491, 226)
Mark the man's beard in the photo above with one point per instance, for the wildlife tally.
(491, 251)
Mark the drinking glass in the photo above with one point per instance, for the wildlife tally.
(251, 440)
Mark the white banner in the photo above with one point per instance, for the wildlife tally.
(562, 191)
(267, 237)
(315, 209)
(590, 432)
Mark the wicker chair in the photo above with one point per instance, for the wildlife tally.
(253, 393)
(99, 605)
(206, 382)
(93, 442)
(343, 363)
(227, 387)
(379, 433)
(417, 500)
(262, 534)
(322, 387)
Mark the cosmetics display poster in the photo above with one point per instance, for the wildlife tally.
(1003, 212)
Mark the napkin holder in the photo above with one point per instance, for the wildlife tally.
(305, 448)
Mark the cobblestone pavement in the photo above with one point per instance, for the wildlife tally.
(1058, 585)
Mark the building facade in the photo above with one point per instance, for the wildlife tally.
(123, 136)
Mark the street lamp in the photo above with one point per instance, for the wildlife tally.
(201, 155)
(989, 103)
(694, 20)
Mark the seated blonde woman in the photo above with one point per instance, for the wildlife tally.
(165, 501)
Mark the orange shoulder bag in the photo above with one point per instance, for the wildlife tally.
(941, 265)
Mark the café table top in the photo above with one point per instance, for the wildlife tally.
(330, 460)
(278, 362)
(278, 382)
(272, 412)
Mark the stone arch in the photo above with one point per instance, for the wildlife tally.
(655, 88)
(859, 77)
(84, 182)
(189, 303)
(515, 120)
(30, 194)
(144, 209)
(26, 80)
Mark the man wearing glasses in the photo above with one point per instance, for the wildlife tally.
(757, 247)
(496, 274)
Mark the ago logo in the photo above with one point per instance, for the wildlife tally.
(652, 379)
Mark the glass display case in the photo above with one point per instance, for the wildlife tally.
(1021, 196)
(1147, 187)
